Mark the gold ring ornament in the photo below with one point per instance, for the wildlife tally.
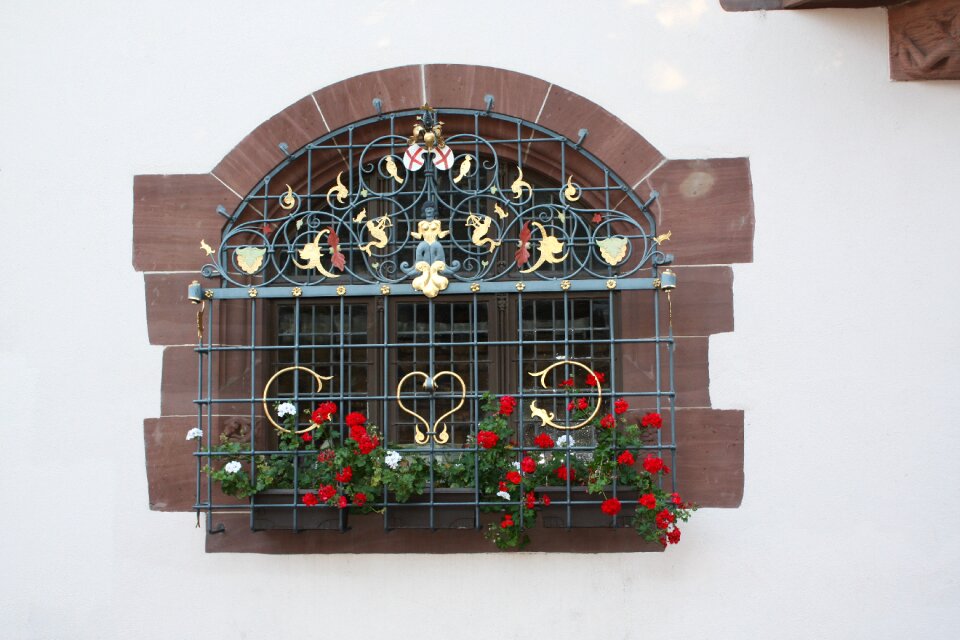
(546, 417)
(266, 410)
(422, 437)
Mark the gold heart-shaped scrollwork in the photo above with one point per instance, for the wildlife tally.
(430, 431)
(546, 417)
(266, 410)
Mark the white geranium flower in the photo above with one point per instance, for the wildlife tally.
(504, 495)
(286, 409)
(516, 465)
(565, 441)
(232, 467)
(543, 458)
(194, 433)
(392, 459)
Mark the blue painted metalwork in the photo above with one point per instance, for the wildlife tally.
(274, 227)
(379, 224)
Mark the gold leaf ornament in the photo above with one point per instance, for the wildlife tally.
(287, 201)
(571, 192)
(339, 190)
(519, 185)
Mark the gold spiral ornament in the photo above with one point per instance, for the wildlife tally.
(547, 417)
(266, 410)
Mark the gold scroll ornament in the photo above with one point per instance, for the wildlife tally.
(430, 431)
(266, 410)
(546, 417)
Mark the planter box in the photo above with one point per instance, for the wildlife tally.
(415, 513)
(274, 510)
(583, 515)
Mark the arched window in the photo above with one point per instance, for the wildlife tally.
(401, 246)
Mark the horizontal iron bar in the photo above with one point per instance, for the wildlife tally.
(404, 288)
(437, 452)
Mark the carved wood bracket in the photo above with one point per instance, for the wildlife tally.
(924, 34)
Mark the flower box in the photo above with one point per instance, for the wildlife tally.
(415, 513)
(585, 514)
(274, 509)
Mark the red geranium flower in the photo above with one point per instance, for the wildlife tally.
(325, 456)
(326, 491)
(593, 380)
(611, 506)
(342, 502)
(528, 465)
(620, 406)
(571, 405)
(545, 500)
(544, 441)
(664, 519)
(652, 420)
(648, 500)
(366, 444)
(310, 499)
(359, 499)
(507, 405)
(563, 472)
(502, 486)
(345, 475)
(513, 477)
(597, 218)
(626, 458)
(355, 419)
(653, 464)
(673, 536)
(662, 540)
(582, 403)
(675, 498)
(487, 439)
(566, 383)
(531, 500)
(608, 421)
(324, 412)
(306, 437)
(507, 522)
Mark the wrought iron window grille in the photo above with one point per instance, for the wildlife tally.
(393, 269)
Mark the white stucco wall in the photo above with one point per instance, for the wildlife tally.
(845, 355)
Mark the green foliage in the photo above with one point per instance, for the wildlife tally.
(347, 467)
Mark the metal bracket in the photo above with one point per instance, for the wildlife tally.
(488, 100)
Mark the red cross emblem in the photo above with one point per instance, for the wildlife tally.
(413, 157)
(443, 158)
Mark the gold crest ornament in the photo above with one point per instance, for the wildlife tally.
(613, 249)
(250, 258)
